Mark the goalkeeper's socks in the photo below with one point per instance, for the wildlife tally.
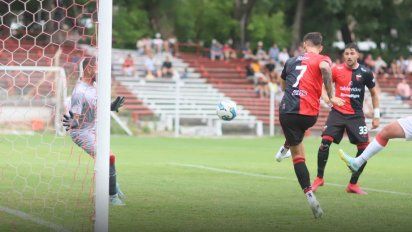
(301, 171)
(377, 144)
(112, 177)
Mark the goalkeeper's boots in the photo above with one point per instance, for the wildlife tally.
(317, 183)
(354, 188)
(283, 153)
(116, 201)
(314, 205)
(119, 192)
(349, 160)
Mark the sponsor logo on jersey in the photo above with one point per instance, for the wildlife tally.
(299, 92)
(302, 58)
(358, 77)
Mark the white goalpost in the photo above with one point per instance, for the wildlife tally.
(47, 180)
(103, 116)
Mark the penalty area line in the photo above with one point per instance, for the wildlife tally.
(258, 175)
(34, 219)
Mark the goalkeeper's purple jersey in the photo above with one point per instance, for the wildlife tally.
(83, 103)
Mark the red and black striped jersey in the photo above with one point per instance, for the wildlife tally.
(350, 86)
(303, 84)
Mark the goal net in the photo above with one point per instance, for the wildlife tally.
(46, 181)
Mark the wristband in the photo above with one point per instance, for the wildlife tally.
(376, 113)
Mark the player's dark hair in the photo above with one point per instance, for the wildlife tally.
(314, 38)
(352, 46)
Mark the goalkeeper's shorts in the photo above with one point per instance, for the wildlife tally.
(86, 139)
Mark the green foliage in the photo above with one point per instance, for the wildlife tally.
(205, 20)
(269, 29)
(128, 26)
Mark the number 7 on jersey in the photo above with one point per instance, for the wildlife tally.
(302, 69)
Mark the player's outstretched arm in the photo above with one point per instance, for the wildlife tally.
(375, 104)
(327, 81)
(117, 103)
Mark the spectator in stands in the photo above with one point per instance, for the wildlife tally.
(409, 66)
(150, 66)
(380, 65)
(216, 50)
(158, 43)
(396, 69)
(228, 52)
(173, 46)
(403, 90)
(284, 56)
(250, 73)
(274, 52)
(402, 64)
(167, 67)
(140, 45)
(147, 44)
(260, 53)
(128, 66)
(247, 52)
(262, 85)
(369, 62)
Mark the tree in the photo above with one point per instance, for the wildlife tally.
(242, 12)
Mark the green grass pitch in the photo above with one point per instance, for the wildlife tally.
(198, 184)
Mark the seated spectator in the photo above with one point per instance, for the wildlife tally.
(395, 69)
(140, 44)
(216, 50)
(128, 66)
(271, 73)
(246, 52)
(262, 85)
(380, 65)
(228, 52)
(167, 67)
(274, 52)
(284, 56)
(409, 66)
(250, 74)
(403, 90)
(150, 66)
(369, 62)
(260, 53)
(158, 43)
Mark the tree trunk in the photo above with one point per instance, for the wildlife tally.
(346, 33)
(344, 28)
(297, 24)
(243, 10)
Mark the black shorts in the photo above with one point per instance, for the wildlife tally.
(354, 125)
(294, 127)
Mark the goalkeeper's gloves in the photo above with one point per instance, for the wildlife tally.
(116, 104)
(69, 122)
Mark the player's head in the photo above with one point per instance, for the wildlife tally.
(312, 42)
(351, 55)
(89, 66)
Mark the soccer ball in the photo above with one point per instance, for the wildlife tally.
(226, 110)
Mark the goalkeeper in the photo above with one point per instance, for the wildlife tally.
(81, 121)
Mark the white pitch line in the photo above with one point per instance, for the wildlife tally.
(229, 171)
(31, 218)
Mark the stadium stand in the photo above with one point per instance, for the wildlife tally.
(229, 77)
(198, 98)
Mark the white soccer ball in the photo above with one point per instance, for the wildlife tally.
(226, 110)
